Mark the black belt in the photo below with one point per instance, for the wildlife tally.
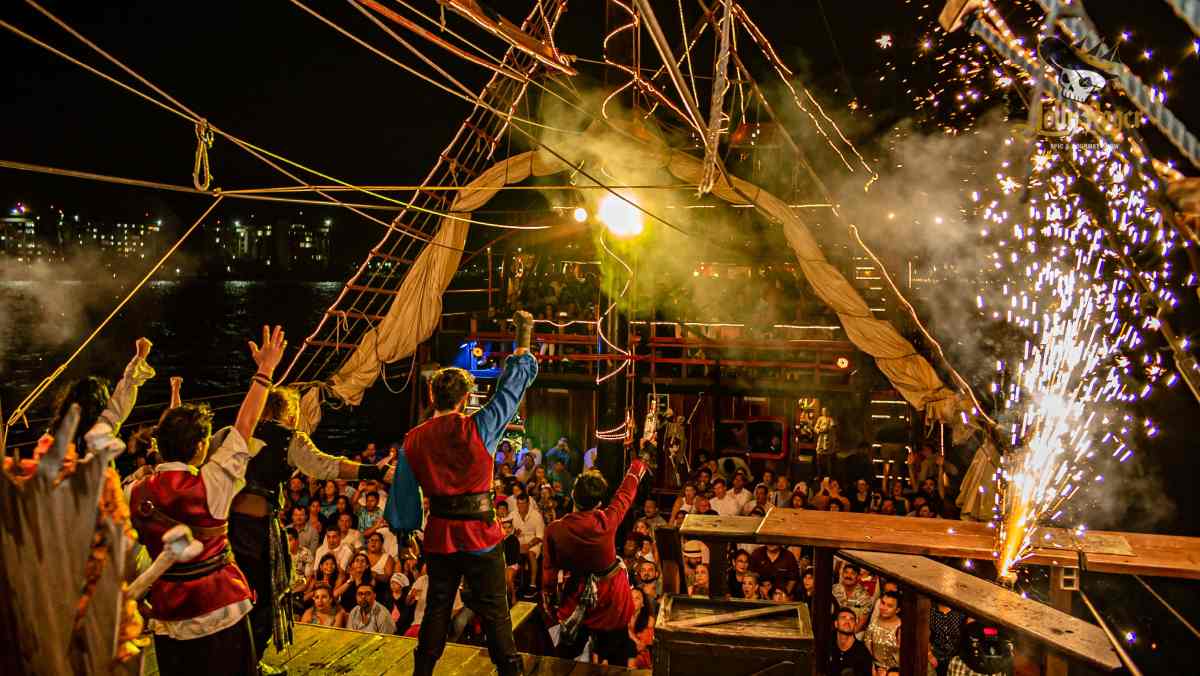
(467, 507)
(194, 570)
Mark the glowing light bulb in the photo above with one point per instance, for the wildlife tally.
(621, 217)
(580, 214)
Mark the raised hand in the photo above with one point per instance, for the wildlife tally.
(143, 345)
(268, 356)
(524, 323)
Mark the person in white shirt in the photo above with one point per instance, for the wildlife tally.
(350, 535)
(739, 491)
(199, 609)
(530, 529)
(722, 501)
(525, 470)
(589, 458)
(416, 595)
(369, 614)
(334, 545)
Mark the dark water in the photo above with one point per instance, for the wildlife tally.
(199, 330)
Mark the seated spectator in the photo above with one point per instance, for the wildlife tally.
(530, 530)
(308, 536)
(685, 501)
(368, 614)
(741, 567)
(887, 507)
(694, 554)
(781, 494)
(417, 598)
(323, 611)
(397, 605)
(703, 505)
(835, 506)
(776, 564)
(799, 500)
(898, 498)
(779, 596)
(350, 535)
(382, 563)
(945, 634)
(512, 554)
(882, 636)
(760, 503)
(296, 495)
(808, 586)
(327, 574)
(750, 587)
(344, 505)
(641, 630)
(724, 503)
(329, 496)
(861, 498)
(589, 458)
(559, 474)
(887, 586)
(832, 488)
(358, 573)
(370, 515)
(918, 501)
(850, 593)
(316, 519)
(739, 492)
(926, 512)
(504, 452)
(849, 657)
(703, 479)
(334, 545)
(648, 581)
(699, 585)
(651, 516)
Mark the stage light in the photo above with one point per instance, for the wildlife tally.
(842, 363)
(619, 216)
(580, 214)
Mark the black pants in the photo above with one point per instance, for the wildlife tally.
(614, 646)
(250, 538)
(229, 651)
(488, 598)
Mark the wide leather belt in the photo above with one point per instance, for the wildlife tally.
(194, 570)
(468, 507)
(148, 510)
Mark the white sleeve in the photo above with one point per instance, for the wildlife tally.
(225, 473)
(304, 455)
(102, 438)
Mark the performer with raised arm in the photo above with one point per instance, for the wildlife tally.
(199, 609)
(254, 528)
(450, 457)
(595, 598)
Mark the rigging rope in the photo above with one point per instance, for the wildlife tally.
(201, 174)
(19, 412)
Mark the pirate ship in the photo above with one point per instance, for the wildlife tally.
(413, 301)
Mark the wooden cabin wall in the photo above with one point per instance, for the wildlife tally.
(559, 412)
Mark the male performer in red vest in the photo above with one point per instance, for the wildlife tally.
(451, 456)
(199, 609)
(582, 545)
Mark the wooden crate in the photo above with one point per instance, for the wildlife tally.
(777, 644)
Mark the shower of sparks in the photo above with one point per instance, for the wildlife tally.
(884, 41)
(1068, 283)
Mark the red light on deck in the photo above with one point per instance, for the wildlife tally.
(990, 631)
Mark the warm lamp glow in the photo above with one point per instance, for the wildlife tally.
(580, 214)
(619, 216)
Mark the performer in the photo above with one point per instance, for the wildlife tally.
(824, 429)
(596, 598)
(450, 456)
(254, 527)
(199, 609)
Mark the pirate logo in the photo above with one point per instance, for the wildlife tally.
(1080, 75)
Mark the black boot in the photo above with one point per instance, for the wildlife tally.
(514, 667)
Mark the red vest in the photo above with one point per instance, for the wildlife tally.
(447, 458)
(182, 496)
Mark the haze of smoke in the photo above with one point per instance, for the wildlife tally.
(46, 305)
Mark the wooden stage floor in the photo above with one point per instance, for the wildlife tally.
(321, 651)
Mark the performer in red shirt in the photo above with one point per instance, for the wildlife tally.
(450, 457)
(582, 544)
(199, 609)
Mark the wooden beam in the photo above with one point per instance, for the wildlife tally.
(821, 610)
(735, 616)
(1158, 555)
(376, 253)
(983, 600)
(1060, 598)
(914, 633)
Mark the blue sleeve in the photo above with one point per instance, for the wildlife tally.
(491, 420)
(404, 510)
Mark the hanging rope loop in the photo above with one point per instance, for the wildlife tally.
(201, 175)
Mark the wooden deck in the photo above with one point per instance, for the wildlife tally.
(322, 651)
(1160, 555)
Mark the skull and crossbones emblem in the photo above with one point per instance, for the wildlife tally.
(1079, 76)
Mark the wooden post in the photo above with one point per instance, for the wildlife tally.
(822, 618)
(914, 634)
(718, 568)
(489, 264)
(1060, 598)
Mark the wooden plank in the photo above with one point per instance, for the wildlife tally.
(821, 610)
(981, 599)
(720, 528)
(670, 560)
(914, 633)
(735, 616)
(1158, 555)
(1056, 664)
(322, 654)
